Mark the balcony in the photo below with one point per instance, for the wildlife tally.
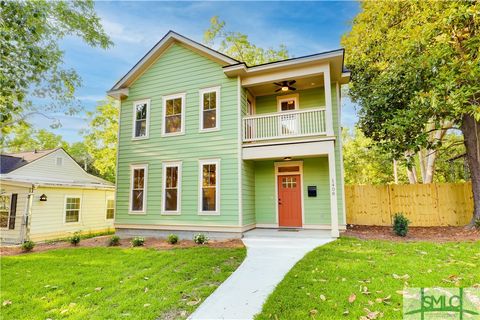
(285, 124)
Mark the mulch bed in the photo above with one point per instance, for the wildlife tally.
(440, 234)
(102, 241)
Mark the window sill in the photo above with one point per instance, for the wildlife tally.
(209, 130)
(165, 135)
(140, 138)
(137, 212)
(208, 213)
(170, 213)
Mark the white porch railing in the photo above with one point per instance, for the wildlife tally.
(285, 124)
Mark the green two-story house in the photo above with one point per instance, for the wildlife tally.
(209, 144)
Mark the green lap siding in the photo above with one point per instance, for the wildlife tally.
(180, 70)
(310, 98)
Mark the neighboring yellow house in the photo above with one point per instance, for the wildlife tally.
(46, 195)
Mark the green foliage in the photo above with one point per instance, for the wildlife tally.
(138, 241)
(32, 59)
(200, 238)
(172, 238)
(114, 241)
(237, 45)
(25, 138)
(400, 224)
(28, 246)
(371, 274)
(112, 283)
(477, 223)
(101, 138)
(75, 239)
(415, 65)
(364, 162)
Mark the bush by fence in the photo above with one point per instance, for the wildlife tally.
(425, 205)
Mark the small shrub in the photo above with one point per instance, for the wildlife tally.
(200, 238)
(28, 246)
(172, 238)
(476, 223)
(400, 224)
(138, 241)
(114, 241)
(75, 239)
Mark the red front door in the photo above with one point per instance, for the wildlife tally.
(289, 201)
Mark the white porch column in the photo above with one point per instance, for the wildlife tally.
(328, 101)
(333, 192)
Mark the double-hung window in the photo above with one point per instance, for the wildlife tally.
(172, 177)
(209, 109)
(209, 186)
(110, 214)
(4, 210)
(72, 209)
(141, 115)
(138, 186)
(174, 114)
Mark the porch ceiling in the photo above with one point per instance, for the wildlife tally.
(301, 84)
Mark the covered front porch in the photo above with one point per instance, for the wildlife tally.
(288, 191)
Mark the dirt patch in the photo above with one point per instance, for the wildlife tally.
(442, 234)
(102, 241)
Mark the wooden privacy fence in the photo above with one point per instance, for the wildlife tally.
(425, 205)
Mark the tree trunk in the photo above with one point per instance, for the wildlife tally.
(412, 175)
(395, 173)
(471, 137)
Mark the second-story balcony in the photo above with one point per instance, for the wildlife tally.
(284, 124)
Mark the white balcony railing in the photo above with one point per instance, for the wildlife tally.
(285, 124)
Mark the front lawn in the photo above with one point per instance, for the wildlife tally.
(112, 283)
(371, 274)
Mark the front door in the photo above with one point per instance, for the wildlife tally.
(289, 201)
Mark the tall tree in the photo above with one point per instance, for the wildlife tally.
(364, 162)
(237, 45)
(24, 138)
(101, 138)
(415, 69)
(32, 78)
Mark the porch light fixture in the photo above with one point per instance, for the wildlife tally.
(287, 158)
(43, 197)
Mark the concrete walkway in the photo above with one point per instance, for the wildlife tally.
(270, 255)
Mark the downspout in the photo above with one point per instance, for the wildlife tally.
(27, 217)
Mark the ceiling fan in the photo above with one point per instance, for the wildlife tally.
(285, 85)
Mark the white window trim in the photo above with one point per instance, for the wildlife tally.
(177, 164)
(106, 208)
(147, 128)
(281, 99)
(145, 184)
(65, 210)
(200, 185)
(164, 112)
(9, 211)
(201, 92)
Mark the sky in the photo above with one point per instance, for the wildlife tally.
(136, 26)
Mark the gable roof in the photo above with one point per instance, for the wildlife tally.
(12, 161)
(164, 43)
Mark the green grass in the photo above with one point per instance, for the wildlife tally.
(112, 283)
(319, 286)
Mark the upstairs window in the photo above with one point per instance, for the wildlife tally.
(141, 114)
(138, 186)
(209, 181)
(110, 214)
(209, 109)
(174, 114)
(171, 187)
